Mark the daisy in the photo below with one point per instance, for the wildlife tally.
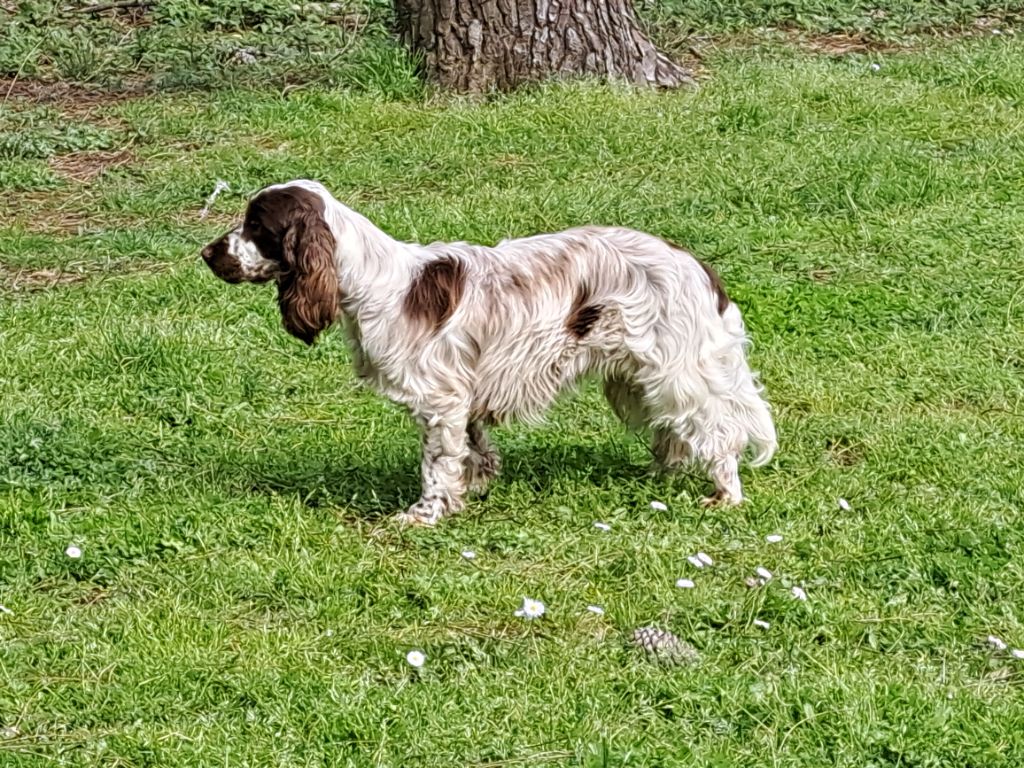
(695, 561)
(799, 594)
(659, 506)
(705, 558)
(468, 554)
(996, 643)
(844, 505)
(602, 526)
(73, 552)
(597, 609)
(773, 538)
(532, 609)
(685, 584)
(763, 572)
(761, 624)
(415, 658)
(1017, 653)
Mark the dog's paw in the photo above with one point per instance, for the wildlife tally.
(410, 519)
(720, 499)
(478, 483)
(422, 513)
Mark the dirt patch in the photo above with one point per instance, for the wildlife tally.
(86, 166)
(28, 280)
(71, 98)
(697, 47)
(844, 452)
(76, 211)
(820, 275)
(837, 44)
(53, 212)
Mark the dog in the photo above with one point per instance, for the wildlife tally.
(468, 336)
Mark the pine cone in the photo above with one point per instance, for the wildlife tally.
(662, 646)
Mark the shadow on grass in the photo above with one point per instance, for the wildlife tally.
(377, 485)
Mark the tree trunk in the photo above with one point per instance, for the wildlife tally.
(475, 46)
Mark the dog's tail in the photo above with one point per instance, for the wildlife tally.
(749, 407)
(761, 433)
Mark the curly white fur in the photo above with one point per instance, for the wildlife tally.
(468, 335)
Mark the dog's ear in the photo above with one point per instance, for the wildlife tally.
(308, 290)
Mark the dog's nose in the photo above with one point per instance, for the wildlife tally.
(207, 252)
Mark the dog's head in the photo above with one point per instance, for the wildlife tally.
(285, 237)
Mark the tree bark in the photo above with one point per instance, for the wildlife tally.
(476, 46)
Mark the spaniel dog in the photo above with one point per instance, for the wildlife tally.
(468, 336)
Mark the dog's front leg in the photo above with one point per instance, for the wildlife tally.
(445, 449)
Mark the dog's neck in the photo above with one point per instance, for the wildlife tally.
(372, 266)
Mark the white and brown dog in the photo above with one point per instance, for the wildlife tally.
(467, 335)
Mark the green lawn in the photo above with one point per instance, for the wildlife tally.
(242, 598)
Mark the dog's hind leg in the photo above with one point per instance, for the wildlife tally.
(700, 438)
(714, 430)
(626, 399)
(483, 462)
(670, 451)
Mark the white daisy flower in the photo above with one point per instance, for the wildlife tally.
(695, 561)
(844, 505)
(763, 572)
(705, 558)
(1017, 653)
(532, 609)
(597, 609)
(659, 506)
(602, 526)
(5, 609)
(773, 538)
(468, 554)
(799, 594)
(876, 66)
(415, 658)
(73, 552)
(761, 624)
(996, 643)
(685, 584)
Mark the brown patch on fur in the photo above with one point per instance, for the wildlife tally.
(519, 282)
(716, 282)
(553, 270)
(436, 292)
(716, 286)
(582, 314)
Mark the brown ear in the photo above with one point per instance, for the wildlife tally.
(307, 291)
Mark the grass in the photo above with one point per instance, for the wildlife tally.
(242, 599)
(185, 44)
